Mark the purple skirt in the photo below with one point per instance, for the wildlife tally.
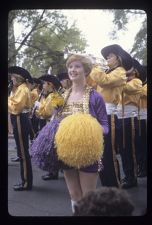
(42, 148)
(95, 167)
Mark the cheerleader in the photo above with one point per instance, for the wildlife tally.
(79, 136)
(73, 138)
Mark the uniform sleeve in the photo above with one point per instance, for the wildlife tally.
(115, 78)
(45, 110)
(101, 114)
(17, 102)
(47, 107)
(91, 82)
(34, 96)
(133, 87)
(144, 91)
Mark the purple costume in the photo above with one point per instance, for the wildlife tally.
(43, 150)
(98, 110)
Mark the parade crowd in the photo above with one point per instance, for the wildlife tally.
(78, 122)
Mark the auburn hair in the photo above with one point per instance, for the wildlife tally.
(86, 62)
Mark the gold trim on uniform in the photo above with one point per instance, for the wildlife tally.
(113, 149)
(133, 145)
(22, 148)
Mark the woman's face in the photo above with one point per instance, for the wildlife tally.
(48, 87)
(14, 80)
(65, 83)
(76, 71)
(112, 60)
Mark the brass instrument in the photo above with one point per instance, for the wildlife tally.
(35, 107)
(10, 86)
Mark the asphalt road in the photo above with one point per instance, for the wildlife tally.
(51, 198)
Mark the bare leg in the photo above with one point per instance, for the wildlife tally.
(73, 183)
(88, 181)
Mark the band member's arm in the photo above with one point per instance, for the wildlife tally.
(133, 86)
(115, 78)
(19, 101)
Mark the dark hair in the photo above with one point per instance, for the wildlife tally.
(106, 201)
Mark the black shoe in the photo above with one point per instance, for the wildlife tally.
(129, 183)
(20, 187)
(50, 177)
(142, 174)
(123, 180)
(15, 159)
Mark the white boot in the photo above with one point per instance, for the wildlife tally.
(73, 204)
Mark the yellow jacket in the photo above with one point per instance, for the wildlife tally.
(48, 104)
(19, 100)
(143, 97)
(110, 85)
(131, 92)
(34, 95)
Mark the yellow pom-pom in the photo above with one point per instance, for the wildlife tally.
(57, 100)
(79, 140)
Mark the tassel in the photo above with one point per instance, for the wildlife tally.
(115, 161)
(133, 145)
(123, 122)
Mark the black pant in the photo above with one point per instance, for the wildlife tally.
(34, 123)
(128, 133)
(42, 123)
(141, 146)
(110, 175)
(21, 130)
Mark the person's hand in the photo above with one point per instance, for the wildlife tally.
(37, 104)
(130, 71)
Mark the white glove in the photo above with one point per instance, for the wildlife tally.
(37, 104)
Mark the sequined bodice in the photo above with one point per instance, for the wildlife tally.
(72, 108)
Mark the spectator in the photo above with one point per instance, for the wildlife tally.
(106, 201)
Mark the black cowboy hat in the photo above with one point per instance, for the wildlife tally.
(63, 76)
(51, 78)
(20, 71)
(119, 51)
(36, 80)
(142, 70)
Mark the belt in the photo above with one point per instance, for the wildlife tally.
(26, 111)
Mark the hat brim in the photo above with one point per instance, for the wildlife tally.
(118, 51)
(20, 71)
(63, 76)
(141, 70)
(51, 78)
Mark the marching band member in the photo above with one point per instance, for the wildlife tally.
(127, 113)
(36, 94)
(19, 106)
(64, 80)
(141, 143)
(110, 84)
(49, 101)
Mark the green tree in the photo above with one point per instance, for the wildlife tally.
(11, 39)
(121, 19)
(44, 39)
